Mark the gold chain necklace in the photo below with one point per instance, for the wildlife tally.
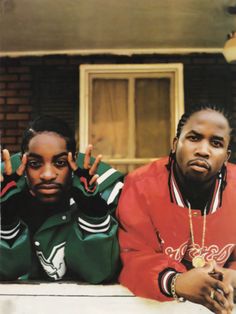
(198, 260)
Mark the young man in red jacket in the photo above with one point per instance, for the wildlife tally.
(178, 217)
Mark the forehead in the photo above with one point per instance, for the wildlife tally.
(47, 142)
(208, 121)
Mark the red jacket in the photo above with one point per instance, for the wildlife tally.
(155, 233)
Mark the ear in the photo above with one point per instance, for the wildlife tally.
(228, 154)
(174, 144)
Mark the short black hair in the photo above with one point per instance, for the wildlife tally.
(47, 123)
(199, 107)
(196, 108)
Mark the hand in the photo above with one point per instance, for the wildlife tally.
(196, 285)
(229, 278)
(7, 173)
(88, 171)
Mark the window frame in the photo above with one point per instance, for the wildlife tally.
(88, 72)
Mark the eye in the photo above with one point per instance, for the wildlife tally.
(34, 164)
(60, 163)
(217, 143)
(193, 138)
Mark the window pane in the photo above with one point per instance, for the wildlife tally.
(153, 126)
(109, 117)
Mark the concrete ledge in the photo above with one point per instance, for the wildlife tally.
(73, 298)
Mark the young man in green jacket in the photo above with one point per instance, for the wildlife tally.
(56, 209)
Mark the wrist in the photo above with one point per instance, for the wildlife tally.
(174, 293)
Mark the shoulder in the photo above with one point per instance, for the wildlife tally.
(231, 171)
(153, 171)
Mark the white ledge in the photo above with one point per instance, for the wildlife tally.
(74, 298)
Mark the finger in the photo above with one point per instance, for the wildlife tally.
(230, 298)
(95, 165)
(7, 162)
(87, 156)
(214, 306)
(209, 267)
(22, 166)
(94, 179)
(222, 300)
(71, 162)
(219, 285)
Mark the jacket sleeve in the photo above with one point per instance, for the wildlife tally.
(15, 251)
(92, 249)
(15, 248)
(145, 266)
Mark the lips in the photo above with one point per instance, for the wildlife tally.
(199, 165)
(50, 188)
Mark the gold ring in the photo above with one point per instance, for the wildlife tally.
(212, 295)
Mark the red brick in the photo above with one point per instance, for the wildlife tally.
(33, 61)
(17, 116)
(8, 77)
(19, 139)
(25, 77)
(8, 93)
(18, 85)
(17, 101)
(8, 140)
(3, 85)
(3, 70)
(8, 124)
(25, 92)
(12, 148)
(18, 70)
(2, 101)
(6, 108)
(25, 108)
(23, 124)
(15, 132)
(55, 62)
(2, 116)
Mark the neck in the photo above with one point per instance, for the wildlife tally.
(197, 192)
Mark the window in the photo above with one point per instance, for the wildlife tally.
(130, 112)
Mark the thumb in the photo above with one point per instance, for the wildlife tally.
(209, 266)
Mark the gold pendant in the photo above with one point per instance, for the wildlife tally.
(198, 261)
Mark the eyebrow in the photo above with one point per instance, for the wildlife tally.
(34, 155)
(217, 137)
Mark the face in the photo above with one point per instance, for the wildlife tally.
(202, 148)
(48, 172)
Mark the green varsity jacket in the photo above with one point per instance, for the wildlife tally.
(70, 244)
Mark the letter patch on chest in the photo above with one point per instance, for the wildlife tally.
(54, 265)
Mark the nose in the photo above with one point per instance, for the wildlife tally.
(203, 149)
(48, 173)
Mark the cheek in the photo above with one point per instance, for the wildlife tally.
(31, 177)
(66, 176)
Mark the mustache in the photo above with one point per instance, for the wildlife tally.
(200, 161)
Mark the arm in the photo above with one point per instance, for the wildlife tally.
(143, 260)
(15, 248)
(92, 248)
(145, 265)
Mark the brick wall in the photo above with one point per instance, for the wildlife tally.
(33, 85)
(15, 103)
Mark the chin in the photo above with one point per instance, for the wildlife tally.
(197, 178)
(49, 199)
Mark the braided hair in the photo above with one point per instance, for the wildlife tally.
(46, 123)
(185, 117)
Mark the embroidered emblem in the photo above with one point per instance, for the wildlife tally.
(54, 265)
(177, 254)
(212, 252)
